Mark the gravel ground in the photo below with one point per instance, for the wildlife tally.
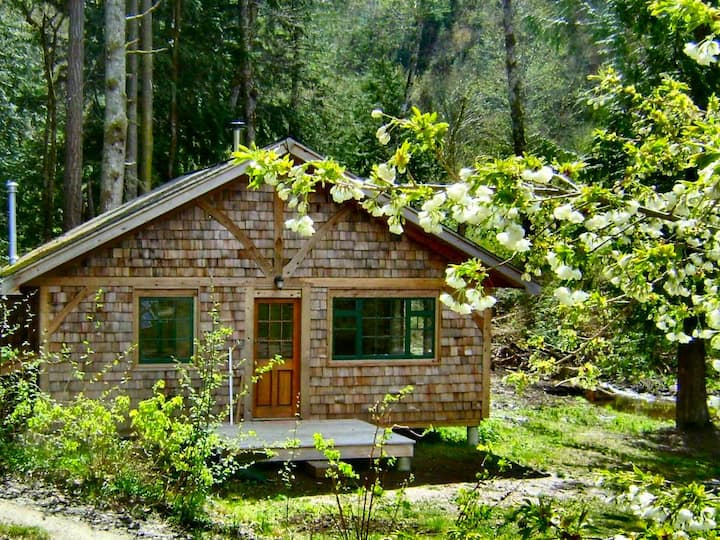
(64, 518)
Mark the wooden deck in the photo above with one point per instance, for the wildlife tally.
(354, 438)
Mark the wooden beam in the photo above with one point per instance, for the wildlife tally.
(150, 282)
(57, 320)
(314, 239)
(278, 214)
(248, 352)
(222, 218)
(305, 350)
(376, 283)
(43, 318)
(484, 323)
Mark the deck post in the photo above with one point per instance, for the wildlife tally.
(473, 436)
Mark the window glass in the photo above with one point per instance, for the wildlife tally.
(383, 328)
(166, 329)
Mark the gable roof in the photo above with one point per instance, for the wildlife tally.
(183, 190)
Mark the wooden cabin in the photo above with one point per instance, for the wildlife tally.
(353, 310)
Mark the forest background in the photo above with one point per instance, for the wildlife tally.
(311, 69)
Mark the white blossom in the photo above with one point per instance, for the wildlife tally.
(395, 225)
(567, 297)
(436, 202)
(513, 238)
(476, 213)
(382, 135)
(303, 226)
(566, 272)
(431, 221)
(566, 213)
(270, 178)
(344, 192)
(458, 192)
(458, 307)
(376, 113)
(684, 516)
(483, 194)
(384, 172)
(713, 319)
(453, 280)
(479, 301)
(541, 176)
(704, 53)
(714, 402)
(598, 221)
(680, 337)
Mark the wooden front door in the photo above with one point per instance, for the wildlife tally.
(277, 333)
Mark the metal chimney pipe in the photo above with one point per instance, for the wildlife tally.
(12, 230)
(237, 126)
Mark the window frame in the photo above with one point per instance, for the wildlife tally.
(138, 295)
(405, 295)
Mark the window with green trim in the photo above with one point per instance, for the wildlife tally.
(383, 328)
(166, 329)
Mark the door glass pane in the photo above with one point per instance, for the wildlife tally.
(275, 330)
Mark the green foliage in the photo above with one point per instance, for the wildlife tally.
(177, 435)
(77, 443)
(543, 519)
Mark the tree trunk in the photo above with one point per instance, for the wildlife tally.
(246, 83)
(691, 410)
(48, 36)
(73, 201)
(296, 35)
(517, 114)
(175, 74)
(146, 44)
(115, 127)
(415, 57)
(47, 23)
(131, 159)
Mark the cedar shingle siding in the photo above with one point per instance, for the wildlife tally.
(189, 244)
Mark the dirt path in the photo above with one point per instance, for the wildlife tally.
(63, 517)
(58, 527)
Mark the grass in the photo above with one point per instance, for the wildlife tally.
(568, 438)
(575, 437)
(22, 532)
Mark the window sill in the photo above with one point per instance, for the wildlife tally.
(161, 366)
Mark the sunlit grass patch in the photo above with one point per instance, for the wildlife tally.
(12, 531)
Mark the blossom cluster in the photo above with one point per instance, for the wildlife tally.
(664, 519)
(652, 246)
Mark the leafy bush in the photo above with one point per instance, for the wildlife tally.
(175, 452)
(77, 443)
(167, 458)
